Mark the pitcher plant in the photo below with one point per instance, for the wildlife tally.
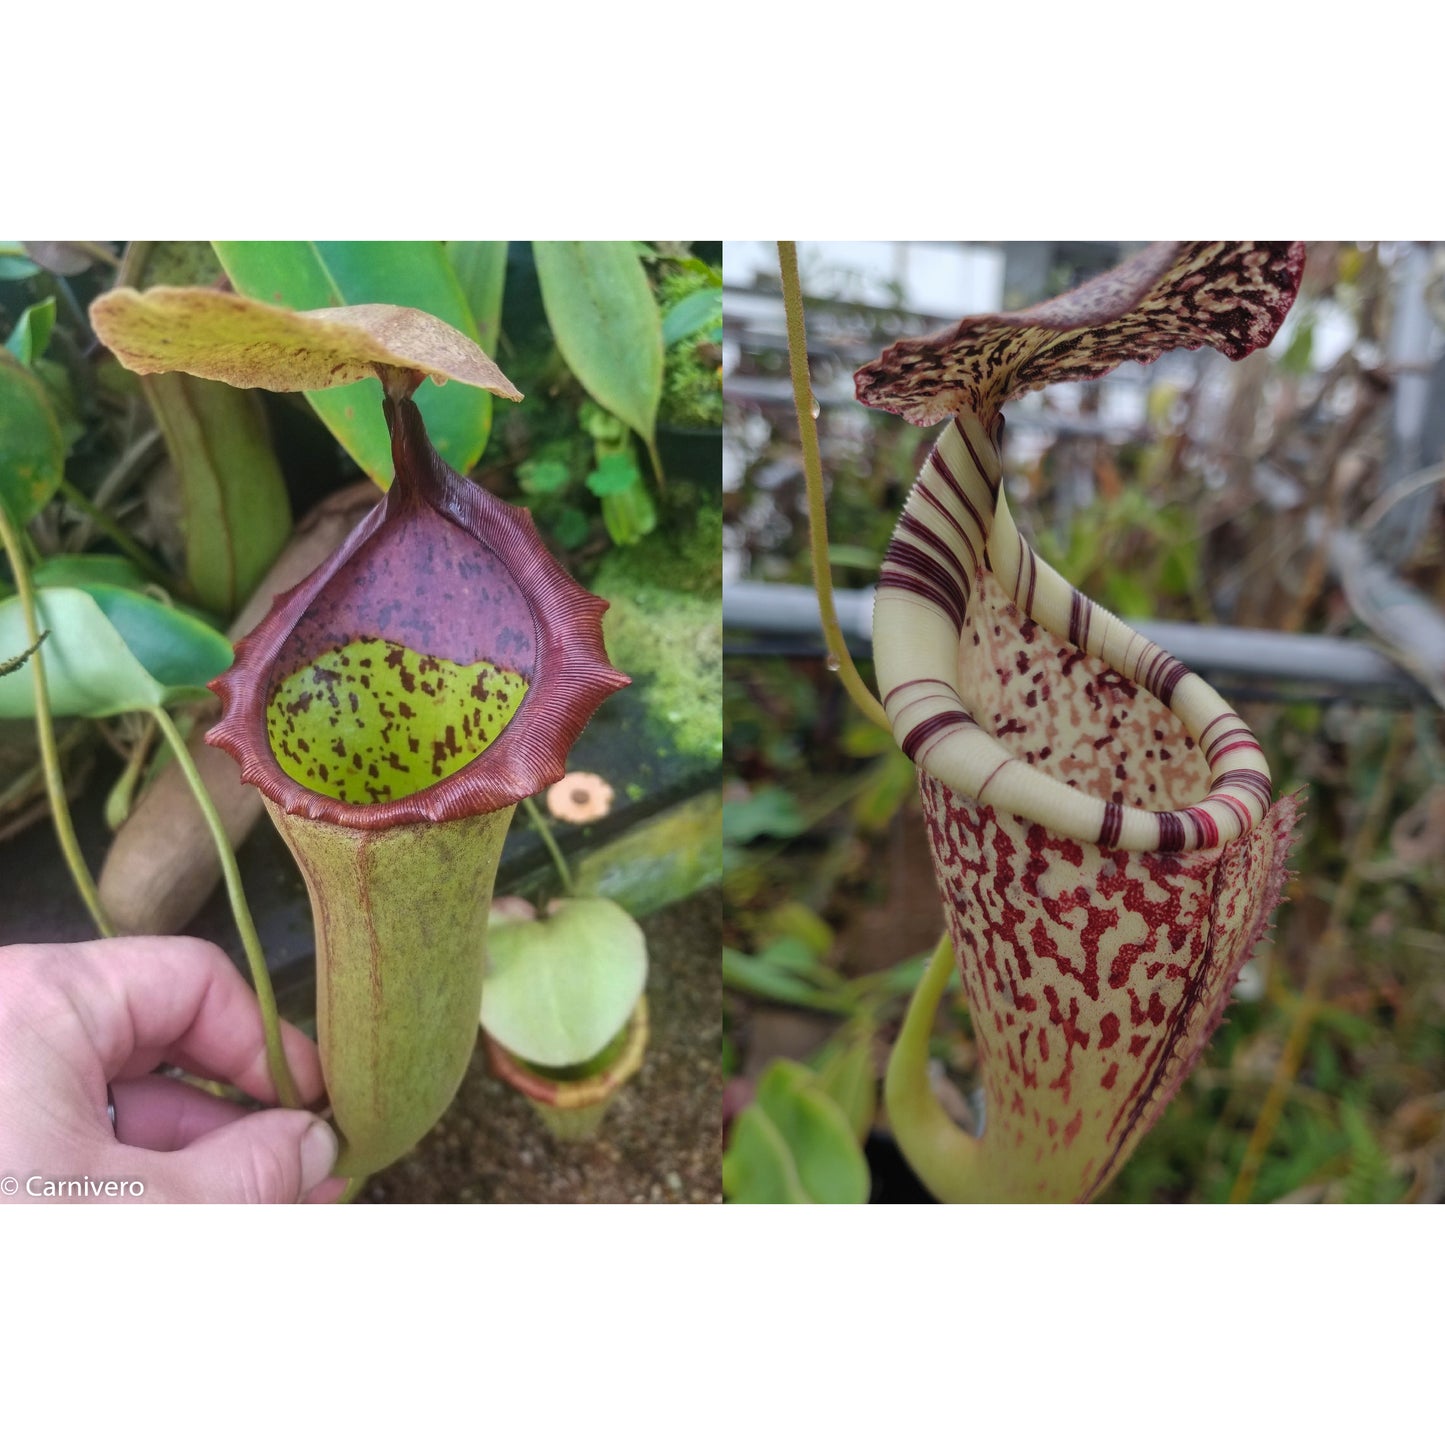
(394, 707)
(1101, 822)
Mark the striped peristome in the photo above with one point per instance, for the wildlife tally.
(1100, 820)
(956, 528)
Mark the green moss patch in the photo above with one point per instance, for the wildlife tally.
(664, 628)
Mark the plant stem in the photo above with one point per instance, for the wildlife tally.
(817, 504)
(286, 1090)
(534, 815)
(117, 534)
(943, 1156)
(1324, 958)
(45, 735)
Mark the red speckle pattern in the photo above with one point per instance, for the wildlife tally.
(1094, 977)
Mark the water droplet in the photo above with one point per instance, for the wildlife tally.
(816, 409)
(832, 663)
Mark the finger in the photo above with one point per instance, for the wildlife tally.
(274, 1156)
(182, 1000)
(165, 1114)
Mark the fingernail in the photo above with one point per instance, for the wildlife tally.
(319, 1148)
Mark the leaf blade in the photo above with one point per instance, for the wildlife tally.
(605, 321)
(32, 450)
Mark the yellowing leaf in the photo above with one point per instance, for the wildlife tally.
(247, 343)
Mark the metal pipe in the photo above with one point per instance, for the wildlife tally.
(1280, 664)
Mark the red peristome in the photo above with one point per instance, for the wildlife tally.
(449, 570)
(1231, 295)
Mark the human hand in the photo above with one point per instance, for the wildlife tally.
(75, 1017)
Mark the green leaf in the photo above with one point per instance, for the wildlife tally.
(32, 332)
(308, 275)
(109, 651)
(559, 988)
(769, 810)
(808, 1155)
(418, 274)
(770, 975)
(236, 513)
(481, 271)
(15, 265)
(691, 314)
(603, 316)
(32, 452)
(758, 1167)
(70, 570)
(614, 474)
(541, 476)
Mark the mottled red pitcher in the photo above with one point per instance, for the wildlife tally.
(1100, 820)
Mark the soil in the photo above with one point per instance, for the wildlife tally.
(660, 1141)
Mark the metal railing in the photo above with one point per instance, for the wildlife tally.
(765, 618)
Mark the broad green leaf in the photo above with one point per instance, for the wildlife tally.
(109, 651)
(418, 274)
(830, 1163)
(15, 265)
(769, 811)
(32, 332)
(605, 321)
(235, 509)
(481, 270)
(793, 1144)
(32, 451)
(307, 275)
(691, 314)
(89, 570)
(559, 988)
(758, 1167)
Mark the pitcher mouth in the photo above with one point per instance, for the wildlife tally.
(442, 592)
(977, 642)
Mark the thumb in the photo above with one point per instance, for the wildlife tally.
(274, 1156)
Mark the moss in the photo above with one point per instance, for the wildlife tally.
(692, 370)
(692, 385)
(664, 628)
